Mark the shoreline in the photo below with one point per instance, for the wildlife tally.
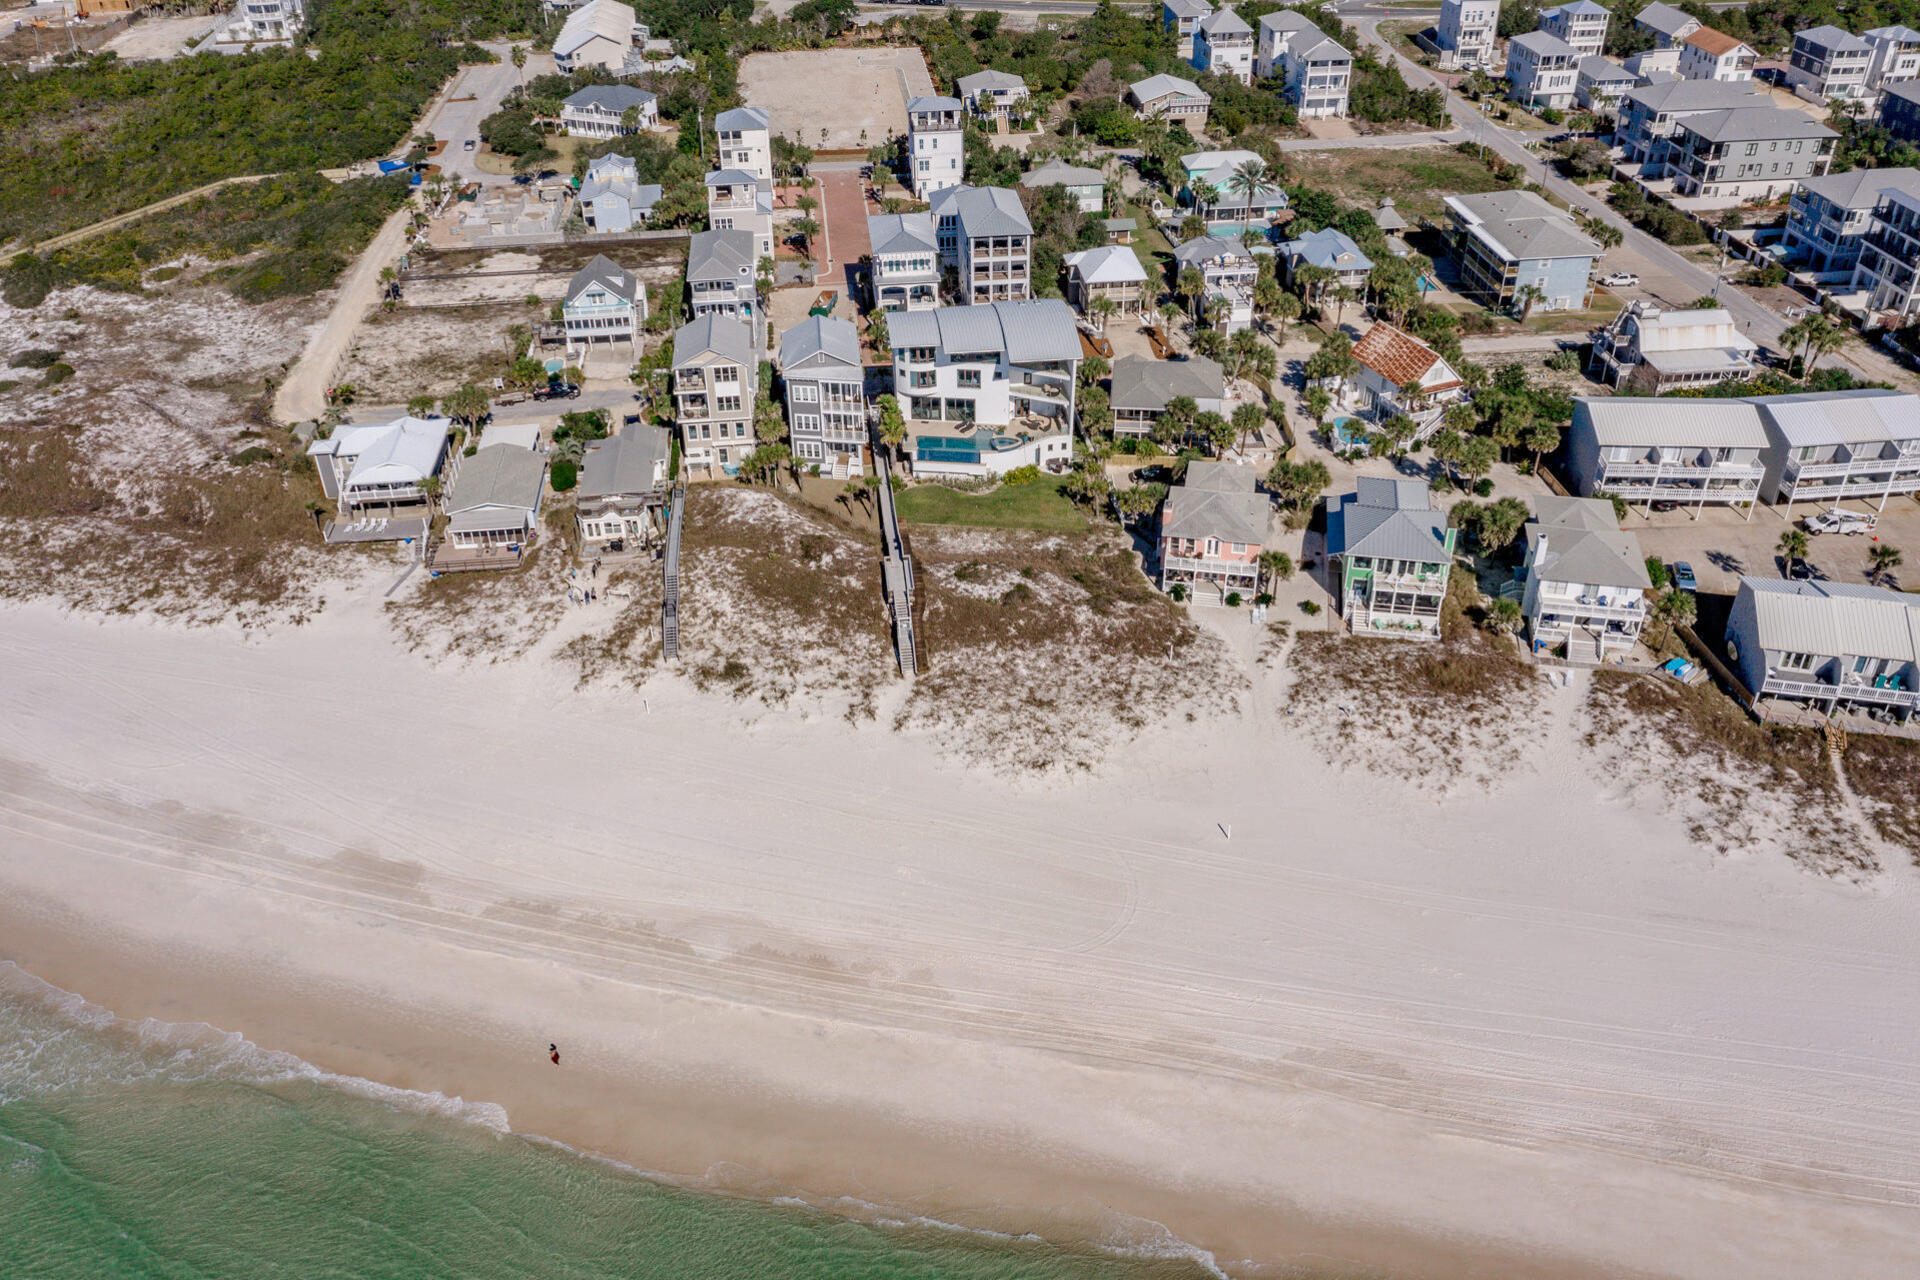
(1412, 1047)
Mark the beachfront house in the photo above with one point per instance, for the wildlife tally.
(253, 21)
(1401, 375)
(1140, 388)
(1213, 526)
(1828, 63)
(936, 145)
(605, 302)
(1888, 272)
(744, 139)
(1112, 272)
(987, 388)
(1748, 153)
(1828, 646)
(1708, 54)
(716, 374)
(493, 507)
(1581, 23)
(612, 198)
(904, 261)
(1172, 99)
(623, 489)
(1181, 17)
(1228, 270)
(993, 95)
(597, 34)
(1517, 253)
(985, 239)
(381, 467)
(1830, 215)
(1087, 188)
(825, 383)
(1585, 580)
(1836, 446)
(1542, 71)
(1388, 554)
(722, 272)
(1649, 351)
(609, 111)
(1223, 45)
(1467, 31)
(1650, 115)
(1679, 452)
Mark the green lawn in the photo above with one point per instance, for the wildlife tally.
(1037, 505)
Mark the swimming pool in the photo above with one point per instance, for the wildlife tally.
(1348, 432)
(1234, 230)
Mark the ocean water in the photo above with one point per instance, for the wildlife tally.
(180, 1153)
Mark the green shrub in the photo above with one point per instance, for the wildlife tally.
(1483, 488)
(1021, 475)
(563, 475)
(1309, 607)
(1233, 599)
(33, 358)
(251, 454)
(56, 374)
(1656, 572)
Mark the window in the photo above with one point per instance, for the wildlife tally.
(969, 377)
(805, 392)
(1796, 662)
(727, 404)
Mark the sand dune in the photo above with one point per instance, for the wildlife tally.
(1528, 1026)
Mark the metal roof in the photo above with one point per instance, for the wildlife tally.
(1024, 332)
(1545, 44)
(1287, 20)
(1584, 543)
(1160, 86)
(1833, 619)
(1387, 519)
(503, 476)
(984, 211)
(611, 97)
(607, 19)
(605, 272)
(934, 103)
(1140, 382)
(715, 255)
(1598, 70)
(400, 452)
(1217, 500)
(1754, 124)
(828, 336)
(990, 79)
(1666, 19)
(1108, 264)
(1579, 8)
(1058, 173)
(1696, 95)
(901, 233)
(1520, 226)
(1689, 330)
(1225, 22)
(1187, 8)
(634, 461)
(732, 178)
(1833, 39)
(728, 336)
(1681, 421)
(1865, 416)
(742, 119)
(1861, 188)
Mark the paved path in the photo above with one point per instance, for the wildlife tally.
(304, 394)
(132, 215)
(843, 209)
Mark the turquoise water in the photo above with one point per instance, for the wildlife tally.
(179, 1153)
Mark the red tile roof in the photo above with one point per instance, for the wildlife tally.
(1398, 357)
(1714, 42)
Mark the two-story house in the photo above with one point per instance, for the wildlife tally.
(1678, 451)
(987, 389)
(744, 138)
(1227, 270)
(1649, 351)
(381, 467)
(1831, 214)
(1900, 110)
(1837, 446)
(1517, 253)
(1181, 17)
(601, 111)
(904, 261)
(1213, 526)
(1316, 69)
(1223, 45)
(597, 34)
(1888, 271)
(1581, 23)
(936, 145)
(1585, 580)
(738, 201)
(825, 383)
(993, 95)
(263, 22)
(623, 488)
(1708, 54)
(1895, 56)
(1542, 70)
(1330, 250)
(1748, 153)
(1828, 63)
(1667, 25)
(1141, 388)
(1467, 31)
(1111, 271)
(987, 241)
(1213, 184)
(1829, 646)
(1087, 188)
(1401, 375)
(1171, 98)
(493, 508)
(612, 198)
(1600, 85)
(604, 303)
(1388, 554)
(722, 273)
(716, 375)
(1650, 115)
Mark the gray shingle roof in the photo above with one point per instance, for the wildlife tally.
(604, 271)
(1754, 124)
(1387, 519)
(717, 255)
(1225, 22)
(728, 336)
(830, 336)
(901, 232)
(1217, 500)
(1599, 70)
(741, 119)
(1861, 188)
(609, 97)
(1058, 173)
(1522, 226)
(1665, 19)
(982, 81)
(1139, 382)
(1697, 95)
(1145, 91)
(936, 103)
(1329, 248)
(503, 476)
(625, 463)
(984, 211)
(1026, 332)
(1584, 544)
(1833, 39)
(1107, 264)
(1201, 248)
(1545, 44)
(1580, 8)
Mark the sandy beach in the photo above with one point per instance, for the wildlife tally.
(1525, 1028)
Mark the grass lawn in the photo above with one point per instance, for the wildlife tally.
(1038, 505)
(1416, 177)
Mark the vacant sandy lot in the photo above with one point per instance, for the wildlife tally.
(159, 38)
(407, 352)
(836, 99)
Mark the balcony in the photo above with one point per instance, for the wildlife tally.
(1719, 471)
(693, 413)
(1576, 609)
(1246, 570)
(1852, 689)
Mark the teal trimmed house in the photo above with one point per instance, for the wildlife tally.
(1389, 552)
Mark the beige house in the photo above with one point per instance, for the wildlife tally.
(1112, 272)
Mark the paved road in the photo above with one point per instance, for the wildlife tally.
(843, 208)
(458, 122)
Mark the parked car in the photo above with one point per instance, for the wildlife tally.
(1838, 521)
(1663, 504)
(470, 144)
(1620, 280)
(1682, 574)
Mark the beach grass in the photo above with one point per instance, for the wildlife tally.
(1041, 505)
(1415, 177)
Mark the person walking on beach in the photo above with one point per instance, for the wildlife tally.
(553, 1051)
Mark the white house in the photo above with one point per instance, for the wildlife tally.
(381, 466)
(987, 388)
(597, 34)
(985, 237)
(1839, 446)
(1141, 388)
(723, 272)
(1181, 17)
(1170, 98)
(936, 145)
(716, 377)
(612, 198)
(1401, 375)
(738, 201)
(264, 22)
(1228, 270)
(1650, 351)
(1586, 581)
(1466, 32)
(1888, 271)
(1828, 63)
(1316, 70)
(825, 383)
(904, 254)
(991, 94)
(1601, 84)
(1542, 70)
(1223, 45)
(1707, 54)
(1111, 271)
(605, 303)
(745, 139)
(1895, 57)
(1831, 646)
(1688, 452)
(600, 111)
(1581, 23)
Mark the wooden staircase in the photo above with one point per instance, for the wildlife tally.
(670, 575)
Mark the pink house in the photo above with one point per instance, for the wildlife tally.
(1213, 527)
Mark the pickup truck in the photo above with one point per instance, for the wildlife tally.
(1838, 521)
(1620, 280)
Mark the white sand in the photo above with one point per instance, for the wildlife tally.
(1375, 1026)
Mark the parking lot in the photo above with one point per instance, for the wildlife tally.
(1722, 545)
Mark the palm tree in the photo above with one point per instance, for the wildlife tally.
(1249, 180)
(1205, 195)
(1102, 309)
(1609, 236)
(1792, 548)
(1191, 285)
(1342, 295)
(1883, 559)
(1285, 310)
(1527, 296)
(1275, 566)
(519, 56)
(1810, 338)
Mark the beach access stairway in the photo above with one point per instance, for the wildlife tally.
(896, 575)
(670, 574)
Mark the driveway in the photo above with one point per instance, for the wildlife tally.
(475, 94)
(1722, 545)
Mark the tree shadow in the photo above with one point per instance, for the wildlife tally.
(1727, 562)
